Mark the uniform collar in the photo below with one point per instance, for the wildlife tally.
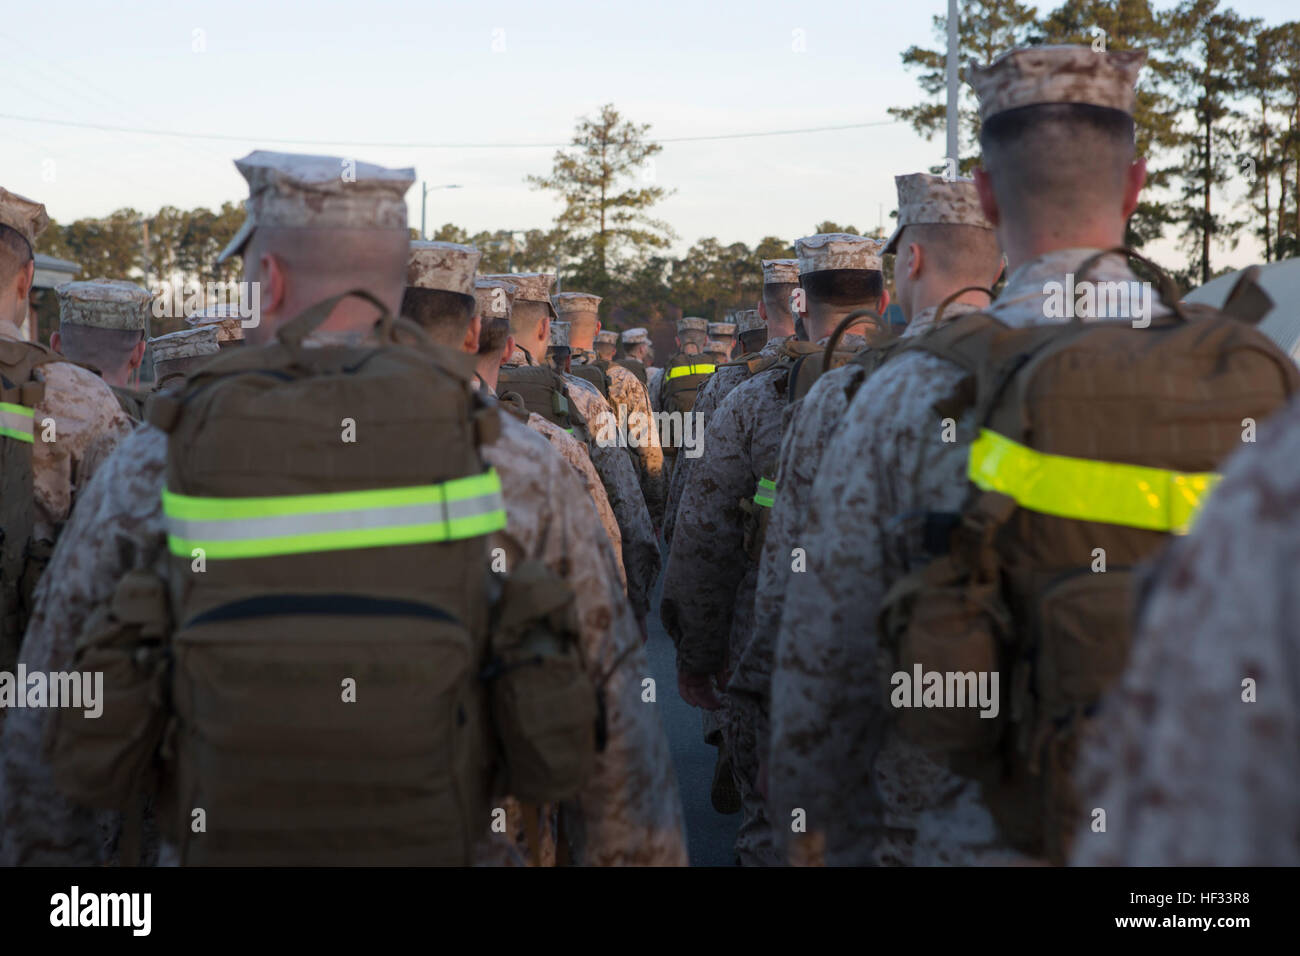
(1023, 301)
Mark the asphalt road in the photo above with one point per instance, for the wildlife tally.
(710, 836)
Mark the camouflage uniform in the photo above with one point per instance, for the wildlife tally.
(640, 549)
(626, 391)
(870, 796)
(809, 426)
(86, 416)
(1188, 772)
(629, 812)
(711, 394)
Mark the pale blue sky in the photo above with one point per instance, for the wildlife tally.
(392, 71)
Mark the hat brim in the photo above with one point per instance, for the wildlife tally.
(236, 245)
(891, 246)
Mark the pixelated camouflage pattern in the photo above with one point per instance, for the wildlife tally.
(104, 304)
(868, 795)
(442, 266)
(1189, 773)
(1057, 74)
(25, 216)
(927, 199)
(641, 558)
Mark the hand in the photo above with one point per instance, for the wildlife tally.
(697, 690)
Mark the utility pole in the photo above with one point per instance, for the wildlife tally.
(425, 189)
(954, 92)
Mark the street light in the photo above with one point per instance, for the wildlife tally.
(426, 189)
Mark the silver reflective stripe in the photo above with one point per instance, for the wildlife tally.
(280, 526)
(16, 425)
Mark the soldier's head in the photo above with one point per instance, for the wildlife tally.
(780, 280)
(1060, 168)
(440, 293)
(606, 344)
(752, 331)
(692, 335)
(177, 354)
(943, 242)
(637, 345)
(531, 313)
(21, 221)
(495, 299)
(558, 353)
(724, 334)
(581, 311)
(838, 274)
(103, 323)
(226, 319)
(320, 226)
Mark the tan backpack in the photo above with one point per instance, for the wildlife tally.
(342, 686)
(541, 390)
(1097, 441)
(21, 558)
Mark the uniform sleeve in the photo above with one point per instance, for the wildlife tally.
(629, 812)
(575, 453)
(117, 527)
(706, 563)
(828, 711)
(77, 422)
(627, 390)
(1195, 758)
(705, 403)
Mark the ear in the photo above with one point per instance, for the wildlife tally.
(509, 350)
(762, 311)
(56, 341)
(915, 257)
(1134, 180)
(25, 279)
(988, 202)
(544, 332)
(470, 342)
(274, 286)
(884, 301)
(137, 355)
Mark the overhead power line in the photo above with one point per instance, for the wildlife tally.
(175, 134)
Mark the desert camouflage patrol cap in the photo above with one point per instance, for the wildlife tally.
(1036, 75)
(25, 216)
(607, 337)
(104, 304)
(224, 318)
(187, 343)
(295, 190)
(692, 323)
(495, 298)
(637, 336)
(715, 347)
(559, 337)
(718, 329)
(924, 199)
(576, 303)
(748, 320)
(442, 266)
(780, 271)
(530, 286)
(828, 251)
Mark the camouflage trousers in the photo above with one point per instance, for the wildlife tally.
(754, 841)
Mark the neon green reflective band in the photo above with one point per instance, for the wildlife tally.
(299, 524)
(1086, 490)
(17, 422)
(691, 370)
(768, 485)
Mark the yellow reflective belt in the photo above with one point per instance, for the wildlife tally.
(681, 370)
(301, 524)
(765, 485)
(1087, 490)
(17, 422)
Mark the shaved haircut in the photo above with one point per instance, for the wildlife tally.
(1057, 161)
(333, 261)
(960, 252)
(492, 337)
(444, 315)
(776, 299)
(106, 349)
(525, 317)
(15, 253)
